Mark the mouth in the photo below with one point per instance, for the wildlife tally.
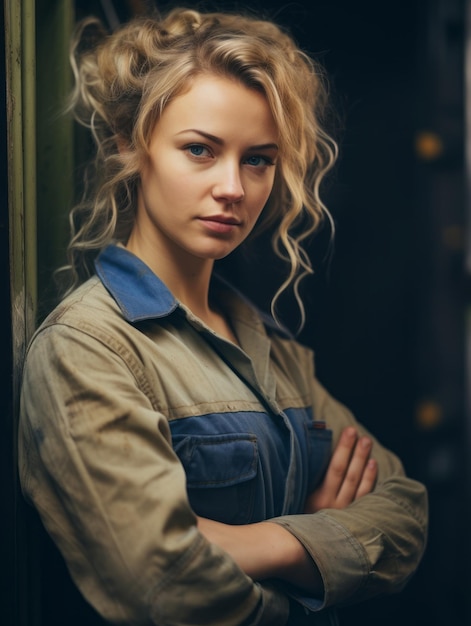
(221, 223)
(222, 219)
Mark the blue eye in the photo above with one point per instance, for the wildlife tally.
(258, 161)
(197, 150)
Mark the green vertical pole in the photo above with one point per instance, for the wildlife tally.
(40, 184)
(21, 124)
(28, 31)
(21, 155)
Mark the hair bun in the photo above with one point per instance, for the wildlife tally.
(184, 22)
(90, 33)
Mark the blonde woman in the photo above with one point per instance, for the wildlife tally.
(176, 443)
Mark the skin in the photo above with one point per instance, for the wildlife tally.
(209, 172)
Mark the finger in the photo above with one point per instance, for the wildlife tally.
(368, 479)
(355, 471)
(340, 461)
(325, 495)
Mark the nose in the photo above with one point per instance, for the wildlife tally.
(228, 186)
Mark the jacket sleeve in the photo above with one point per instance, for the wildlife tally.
(97, 462)
(374, 545)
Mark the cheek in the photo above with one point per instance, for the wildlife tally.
(162, 183)
(150, 180)
(264, 194)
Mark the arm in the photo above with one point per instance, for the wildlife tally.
(96, 460)
(373, 545)
(266, 550)
(364, 527)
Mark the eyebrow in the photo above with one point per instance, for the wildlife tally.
(220, 142)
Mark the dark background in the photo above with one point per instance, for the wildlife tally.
(387, 315)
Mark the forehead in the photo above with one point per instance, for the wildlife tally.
(220, 106)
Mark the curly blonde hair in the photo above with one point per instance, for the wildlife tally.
(123, 82)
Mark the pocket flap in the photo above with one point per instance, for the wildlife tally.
(217, 461)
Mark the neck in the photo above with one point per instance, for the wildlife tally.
(192, 289)
(187, 278)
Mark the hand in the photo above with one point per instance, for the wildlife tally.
(351, 474)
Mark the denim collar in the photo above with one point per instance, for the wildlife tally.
(139, 293)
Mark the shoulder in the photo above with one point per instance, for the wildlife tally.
(89, 301)
(89, 317)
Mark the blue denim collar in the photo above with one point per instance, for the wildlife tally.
(139, 293)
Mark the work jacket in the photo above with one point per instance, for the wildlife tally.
(135, 417)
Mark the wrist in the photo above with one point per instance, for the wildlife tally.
(291, 561)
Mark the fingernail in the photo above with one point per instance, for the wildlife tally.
(365, 442)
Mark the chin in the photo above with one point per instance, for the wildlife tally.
(216, 255)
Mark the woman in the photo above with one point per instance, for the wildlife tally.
(177, 445)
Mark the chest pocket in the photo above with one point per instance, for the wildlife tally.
(319, 448)
(221, 472)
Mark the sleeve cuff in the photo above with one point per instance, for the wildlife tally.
(341, 560)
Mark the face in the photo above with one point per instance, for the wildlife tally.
(209, 173)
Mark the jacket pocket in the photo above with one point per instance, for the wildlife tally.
(221, 474)
(319, 443)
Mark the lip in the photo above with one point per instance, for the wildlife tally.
(220, 223)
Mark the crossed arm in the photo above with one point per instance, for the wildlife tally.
(267, 550)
